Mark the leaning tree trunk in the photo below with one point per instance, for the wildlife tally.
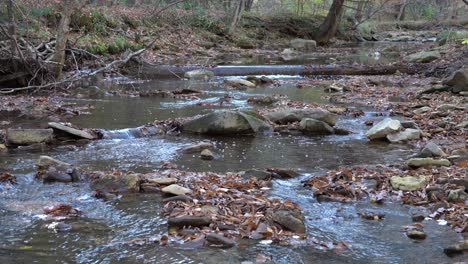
(58, 59)
(329, 27)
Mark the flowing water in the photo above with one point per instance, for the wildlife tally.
(101, 235)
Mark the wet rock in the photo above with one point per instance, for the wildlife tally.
(28, 136)
(182, 198)
(198, 147)
(70, 130)
(163, 181)
(457, 196)
(265, 100)
(422, 110)
(259, 81)
(372, 215)
(383, 128)
(303, 44)
(258, 174)
(186, 221)
(53, 175)
(409, 124)
(124, 183)
(423, 57)
(46, 161)
(176, 190)
(239, 83)
(296, 115)
(342, 131)
(228, 123)
(3, 147)
(315, 127)
(446, 107)
(220, 240)
(407, 183)
(423, 162)
(206, 154)
(432, 150)
(199, 74)
(456, 249)
(59, 227)
(405, 135)
(283, 173)
(458, 81)
(291, 220)
(463, 124)
(416, 234)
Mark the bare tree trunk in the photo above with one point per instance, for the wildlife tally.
(329, 27)
(62, 37)
(401, 14)
(237, 15)
(12, 33)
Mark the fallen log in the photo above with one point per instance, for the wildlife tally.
(150, 71)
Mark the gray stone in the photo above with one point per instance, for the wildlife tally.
(199, 74)
(446, 107)
(407, 183)
(239, 83)
(52, 175)
(383, 128)
(206, 154)
(258, 174)
(315, 127)
(290, 220)
(126, 183)
(220, 240)
(186, 221)
(423, 57)
(28, 136)
(409, 124)
(416, 234)
(432, 150)
(456, 249)
(45, 161)
(70, 130)
(407, 134)
(303, 44)
(422, 110)
(163, 181)
(176, 190)
(458, 81)
(197, 148)
(457, 196)
(183, 198)
(463, 124)
(423, 162)
(296, 115)
(228, 123)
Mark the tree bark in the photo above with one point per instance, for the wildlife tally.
(12, 33)
(63, 29)
(401, 14)
(329, 27)
(237, 15)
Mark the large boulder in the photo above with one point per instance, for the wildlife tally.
(199, 74)
(227, 123)
(432, 150)
(384, 128)
(408, 183)
(303, 44)
(458, 81)
(296, 115)
(405, 135)
(423, 57)
(315, 127)
(70, 130)
(29, 136)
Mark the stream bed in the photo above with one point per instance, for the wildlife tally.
(100, 235)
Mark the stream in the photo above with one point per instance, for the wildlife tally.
(99, 236)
